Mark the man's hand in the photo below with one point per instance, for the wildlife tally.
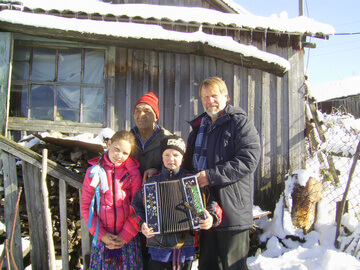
(202, 179)
(147, 231)
(207, 223)
(147, 174)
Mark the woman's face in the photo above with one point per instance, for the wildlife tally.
(172, 159)
(119, 151)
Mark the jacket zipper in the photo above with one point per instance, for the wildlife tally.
(114, 199)
(122, 179)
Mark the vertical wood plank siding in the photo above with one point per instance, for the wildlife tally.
(5, 70)
(275, 104)
(188, 3)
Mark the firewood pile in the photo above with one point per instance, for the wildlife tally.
(74, 158)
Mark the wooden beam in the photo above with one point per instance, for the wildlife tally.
(60, 126)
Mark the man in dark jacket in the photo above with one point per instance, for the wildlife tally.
(224, 150)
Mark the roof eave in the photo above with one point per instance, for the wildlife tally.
(196, 48)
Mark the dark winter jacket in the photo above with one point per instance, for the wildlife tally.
(171, 239)
(233, 153)
(150, 157)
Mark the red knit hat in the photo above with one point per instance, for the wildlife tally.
(151, 100)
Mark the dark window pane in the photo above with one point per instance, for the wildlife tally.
(21, 63)
(43, 68)
(61, 101)
(94, 66)
(42, 102)
(68, 103)
(93, 103)
(69, 65)
(19, 101)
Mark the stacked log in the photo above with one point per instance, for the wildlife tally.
(305, 199)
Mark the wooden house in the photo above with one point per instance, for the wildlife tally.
(80, 66)
(75, 67)
(338, 96)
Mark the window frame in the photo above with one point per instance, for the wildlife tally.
(35, 125)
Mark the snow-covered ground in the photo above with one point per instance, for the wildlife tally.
(318, 251)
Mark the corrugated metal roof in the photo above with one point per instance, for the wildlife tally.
(175, 16)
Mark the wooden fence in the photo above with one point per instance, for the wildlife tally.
(31, 171)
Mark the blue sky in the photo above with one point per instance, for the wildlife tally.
(333, 59)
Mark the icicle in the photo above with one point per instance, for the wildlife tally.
(200, 28)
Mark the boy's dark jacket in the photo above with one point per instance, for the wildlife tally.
(232, 157)
(171, 239)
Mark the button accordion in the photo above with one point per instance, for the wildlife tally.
(173, 206)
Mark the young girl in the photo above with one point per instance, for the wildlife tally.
(108, 189)
(166, 253)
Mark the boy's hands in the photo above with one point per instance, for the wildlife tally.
(207, 223)
(146, 230)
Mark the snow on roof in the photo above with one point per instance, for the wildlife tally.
(238, 8)
(39, 15)
(299, 25)
(336, 89)
(138, 31)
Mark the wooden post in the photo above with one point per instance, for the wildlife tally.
(11, 194)
(343, 202)
(48, 222)
(301, 8)
(5, 71)
(86, 239)
(319, 128)
(36, 217)
(64, 225)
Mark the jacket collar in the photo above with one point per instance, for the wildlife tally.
(167, 174)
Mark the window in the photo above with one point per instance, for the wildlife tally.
(58, 84)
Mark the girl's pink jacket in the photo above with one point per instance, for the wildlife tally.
(124, 181)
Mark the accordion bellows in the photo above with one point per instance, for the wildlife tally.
(173, 206)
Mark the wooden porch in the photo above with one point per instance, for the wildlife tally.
(32, 167)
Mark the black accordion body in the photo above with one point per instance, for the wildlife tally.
(173, 206)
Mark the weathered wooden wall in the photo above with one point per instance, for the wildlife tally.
(5, 49)
(346, 104)
(159, 2)
(183, 3)
(275, 104)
